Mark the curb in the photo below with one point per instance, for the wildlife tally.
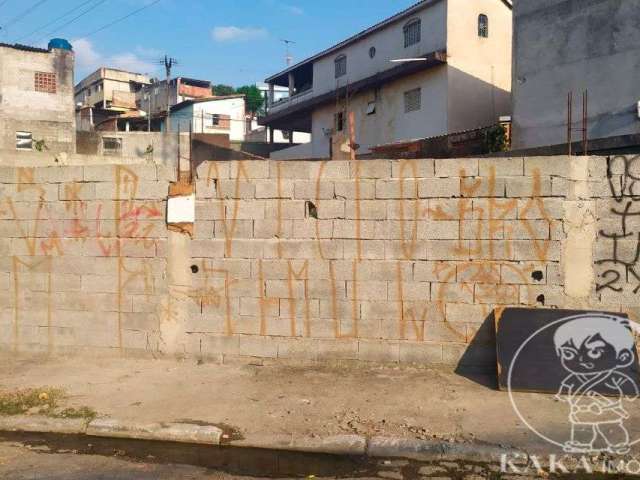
(352, 445)
(168, 432)
(37, 424)
(429, 450)
(348, 445)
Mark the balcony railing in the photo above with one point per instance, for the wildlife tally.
(291, 101)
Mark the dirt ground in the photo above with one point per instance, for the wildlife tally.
(372, 400)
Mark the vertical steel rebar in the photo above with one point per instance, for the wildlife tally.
(569, 122)
(585, 123)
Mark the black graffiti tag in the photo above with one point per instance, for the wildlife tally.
(623, 174)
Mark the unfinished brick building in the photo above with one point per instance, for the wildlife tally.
(36, 98)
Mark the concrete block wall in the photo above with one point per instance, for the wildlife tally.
(82, 257)
(372, 260)
(384, 260)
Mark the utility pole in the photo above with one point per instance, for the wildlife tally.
(168, 63)
(149, 110)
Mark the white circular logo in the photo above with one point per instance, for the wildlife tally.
(594, 353)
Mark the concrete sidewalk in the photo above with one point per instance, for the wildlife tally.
(266, 405)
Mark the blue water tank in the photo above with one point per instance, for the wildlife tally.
(60, 43)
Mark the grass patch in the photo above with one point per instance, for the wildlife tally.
(23, 401)
(42, 401)
(83, 412)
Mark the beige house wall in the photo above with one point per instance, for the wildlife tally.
(390, 122)
(479, 69)
(112, 80)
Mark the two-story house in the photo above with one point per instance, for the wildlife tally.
(438, 67)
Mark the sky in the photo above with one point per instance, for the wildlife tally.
(235, 42)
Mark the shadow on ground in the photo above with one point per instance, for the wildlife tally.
(479, 362)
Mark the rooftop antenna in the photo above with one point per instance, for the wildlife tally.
(288, 58)
(168, 63)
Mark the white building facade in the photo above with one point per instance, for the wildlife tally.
(459, 78)
(224, 115)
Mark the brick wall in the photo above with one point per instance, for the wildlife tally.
(381, 260)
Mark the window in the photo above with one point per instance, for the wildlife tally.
(372, 52)
(286, 134)
(215, 120)
(24, 141)
(339, 121)
(45, 82)
(412, 33)
(412, 100)
(371, 108)
(111, 145)
(341, 66)
(483, 26)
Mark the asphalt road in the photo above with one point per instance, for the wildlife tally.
(33, 460)
(18, 462)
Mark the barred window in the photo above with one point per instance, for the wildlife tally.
(413, 100)
(412, 31)
(24, 141)
(111, 145)
(45, 82)
(483, 26)
(341, 66)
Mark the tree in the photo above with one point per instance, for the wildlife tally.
(223, 90)
(253, 98)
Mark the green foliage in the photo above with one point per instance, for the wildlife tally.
(253, 98)
(495, 139)
(223, 90)
(83, 412)
(21, 401)
(41, 401)
(40, 145)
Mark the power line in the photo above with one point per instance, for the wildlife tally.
(20, 16)
(57, 29)
(108, 25)
(69, 12)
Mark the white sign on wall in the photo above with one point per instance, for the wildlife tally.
(181, 209)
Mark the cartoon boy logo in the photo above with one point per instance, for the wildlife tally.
(595, 350)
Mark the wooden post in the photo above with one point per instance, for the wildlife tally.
(352, 134)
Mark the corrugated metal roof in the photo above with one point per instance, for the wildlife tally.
(24, 48)
(401, 143)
